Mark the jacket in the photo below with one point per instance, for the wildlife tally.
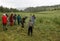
(4, 19)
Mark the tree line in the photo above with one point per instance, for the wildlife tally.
(31, 9)
(5, 9)
(42, 8)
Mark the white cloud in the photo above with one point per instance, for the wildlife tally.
(27, 3)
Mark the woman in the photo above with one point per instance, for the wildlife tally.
(11, 20)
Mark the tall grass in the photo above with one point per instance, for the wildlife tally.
(47, 28)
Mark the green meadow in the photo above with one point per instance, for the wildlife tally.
(46, 28)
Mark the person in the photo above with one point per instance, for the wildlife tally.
(7, 15)
(32, 18)
(7, 19)
(30, 27)
(19, 19)
(11, 20)
(4, 21)
(14, 17)
(23, 21)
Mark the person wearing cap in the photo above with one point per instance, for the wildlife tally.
(4, 21)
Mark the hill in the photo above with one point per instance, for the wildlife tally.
(42, 8)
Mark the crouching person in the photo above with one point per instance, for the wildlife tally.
(30, 28)
(23, 20)
(4, 21)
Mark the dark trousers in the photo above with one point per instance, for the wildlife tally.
(22, 24)
(30, 30)
(18, 22)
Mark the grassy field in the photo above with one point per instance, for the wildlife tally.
(47, 28)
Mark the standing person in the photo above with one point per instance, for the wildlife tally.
(4, 21)
(7, 19)
(7, 15)
(19, 19)
(14, 17)
(33, 18)
(11, 20)
(30, 27)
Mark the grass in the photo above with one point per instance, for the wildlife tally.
(47, 28)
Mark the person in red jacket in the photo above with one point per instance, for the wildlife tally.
(11, 20)
(4, 21)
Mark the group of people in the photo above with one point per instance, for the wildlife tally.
(13, 19)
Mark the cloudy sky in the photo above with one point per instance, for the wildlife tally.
(27, 3)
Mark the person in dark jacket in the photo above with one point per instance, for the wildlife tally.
(23, 21)
(14, 17)
(4, 21)
(11, 20)
(19, 19)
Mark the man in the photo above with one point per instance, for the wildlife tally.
(23, 21)
(19, 19)
(30, 29)
(14, 17)
(4, 21)
(32, 18)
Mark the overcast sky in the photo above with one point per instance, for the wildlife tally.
(27, 3)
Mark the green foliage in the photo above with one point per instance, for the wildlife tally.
(42, 8)
(47, 28)
(57, 20)
(5, 9)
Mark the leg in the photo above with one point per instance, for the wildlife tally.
(4, 27)
(22, 25)
(31, 31)
(18, 22)
(14, 22)
(28, 31)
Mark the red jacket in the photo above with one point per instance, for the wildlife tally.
(4, 19)
(11, 18)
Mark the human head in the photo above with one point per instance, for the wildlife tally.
(11, 14)
(29, 20)
(33, 15)
(18, 15)
(4, 14)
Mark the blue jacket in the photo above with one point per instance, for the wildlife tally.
(19, 18)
